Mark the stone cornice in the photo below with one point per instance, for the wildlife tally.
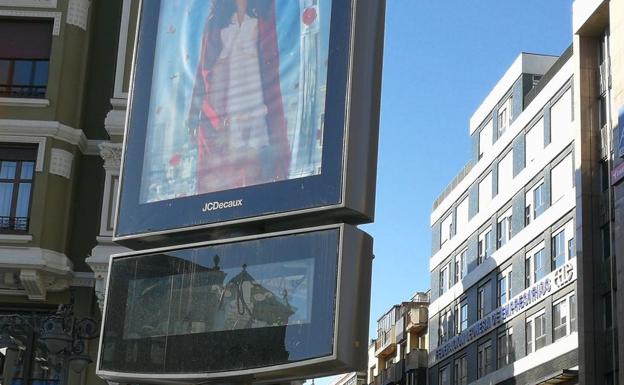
(47, 128)
(115, 121)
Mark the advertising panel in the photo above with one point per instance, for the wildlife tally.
(276, 306)
(241, 110)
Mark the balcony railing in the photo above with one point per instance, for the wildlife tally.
(13, 224)
(416, 319)
(421, 297)
(22, 91)
(385, 342)
(24, 78)
(416, 359)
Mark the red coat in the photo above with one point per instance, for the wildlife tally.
(205, 120)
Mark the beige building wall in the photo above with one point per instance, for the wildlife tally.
(616, 15)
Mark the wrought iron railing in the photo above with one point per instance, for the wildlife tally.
(23, 78)
(13, 224)
(22, 91)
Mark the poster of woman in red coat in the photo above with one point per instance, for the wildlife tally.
(238, 95)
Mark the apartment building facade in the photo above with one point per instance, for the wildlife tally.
(59, 153)
(524, 275)
(503, 262)
(399, 353)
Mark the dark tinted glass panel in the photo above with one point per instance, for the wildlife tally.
(4, 71)
(41, 73)
(219, 308)
(22, 72)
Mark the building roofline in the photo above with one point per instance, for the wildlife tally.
(530, 63)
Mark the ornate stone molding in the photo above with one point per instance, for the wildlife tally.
(115, 121)
(61, 162)
(78, 13)
(98, 261)
(56, 29)
(33, 284)
(111, 153)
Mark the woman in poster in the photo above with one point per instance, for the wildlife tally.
(236, 112)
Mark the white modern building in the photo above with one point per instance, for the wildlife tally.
(503, 264)
(524, 265)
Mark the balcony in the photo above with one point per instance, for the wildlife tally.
(422, 297)
(391, 375)
(416, 359)
(386, 343)
(416, 319)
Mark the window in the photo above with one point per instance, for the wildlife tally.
(539, 265)
(563, 245)
(462, 216)
(605, 184)
(445, 325)
(505, 173)
(605, 234)
(17, 171)
(608, 311)
(445, 278)
(504, 286)
(461, 317)
(535, 332)
(503, 229)
(461, 265)
(504, 117)
(460, 376)
(506, 351)
(535, 265)
(573, 313)
(534, 141)
(485, 192)
(535, 202)
(484, 300)
(484, 245)
(31, 362)
(446, 231)
(564, 317)
(24, 57)
(445, 375)
(484, 358)
(561, 179)
(485, 138)
(561, 118)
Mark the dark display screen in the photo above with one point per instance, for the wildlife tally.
(229, 307)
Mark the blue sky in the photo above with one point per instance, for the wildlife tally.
(441, 60)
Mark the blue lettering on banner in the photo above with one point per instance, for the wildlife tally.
(551, 283)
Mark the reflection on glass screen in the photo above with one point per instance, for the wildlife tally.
(203, 299)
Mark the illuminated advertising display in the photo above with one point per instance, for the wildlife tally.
(275, 306)
(244, 110)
